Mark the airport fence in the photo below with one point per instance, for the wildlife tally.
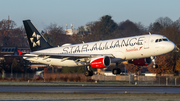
(72, 77)
(18, 75)
(80, 77)
(141, 80)
(47, 77)
(158, 80)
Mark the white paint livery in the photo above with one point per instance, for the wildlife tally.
(129, 48)
(118, 50)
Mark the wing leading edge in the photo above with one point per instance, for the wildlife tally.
(71, 55)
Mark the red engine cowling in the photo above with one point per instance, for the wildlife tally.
(100, 62)
(141, 62)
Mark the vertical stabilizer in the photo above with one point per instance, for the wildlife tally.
(35, 39)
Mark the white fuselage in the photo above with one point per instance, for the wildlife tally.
(121, 48)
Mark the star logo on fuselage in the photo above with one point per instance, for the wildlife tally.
(35, 39)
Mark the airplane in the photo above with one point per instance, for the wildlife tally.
(139, 50)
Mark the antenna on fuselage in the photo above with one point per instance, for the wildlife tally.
(149, 33)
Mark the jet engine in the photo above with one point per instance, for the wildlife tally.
(100, 62)
(141, 61)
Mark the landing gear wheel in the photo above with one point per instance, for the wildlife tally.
(116, 71)
(88, 73)
(155, 66)
(91, 73)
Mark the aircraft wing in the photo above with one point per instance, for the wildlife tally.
(71, 55)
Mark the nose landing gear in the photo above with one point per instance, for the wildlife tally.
(154, 62)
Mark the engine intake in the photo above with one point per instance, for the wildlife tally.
(100, 62)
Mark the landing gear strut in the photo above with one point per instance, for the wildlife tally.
(88, 71)
(154, 62)
(116, 70)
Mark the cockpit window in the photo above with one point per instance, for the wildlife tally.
(163, 39)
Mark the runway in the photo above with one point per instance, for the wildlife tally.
(44, 89)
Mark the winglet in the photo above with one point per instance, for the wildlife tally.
(19, 52)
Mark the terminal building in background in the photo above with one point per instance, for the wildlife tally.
(83, 30)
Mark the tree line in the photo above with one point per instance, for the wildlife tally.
(103, 29)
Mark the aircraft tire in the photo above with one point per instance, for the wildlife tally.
(116, 71)
(155, 66)
(91, 73)
(88, 73)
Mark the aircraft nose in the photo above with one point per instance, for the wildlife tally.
(171, 46)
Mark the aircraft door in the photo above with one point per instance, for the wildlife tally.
(146, 42)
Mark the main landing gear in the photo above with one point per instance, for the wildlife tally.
(153, 58)
(88, 71)
(116, 70)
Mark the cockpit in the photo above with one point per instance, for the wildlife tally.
(160, 40)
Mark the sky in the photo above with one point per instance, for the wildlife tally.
(79, 12)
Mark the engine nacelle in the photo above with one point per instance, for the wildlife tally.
(100, 62)
(141, 62)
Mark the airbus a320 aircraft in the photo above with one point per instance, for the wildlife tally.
(139, 50)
